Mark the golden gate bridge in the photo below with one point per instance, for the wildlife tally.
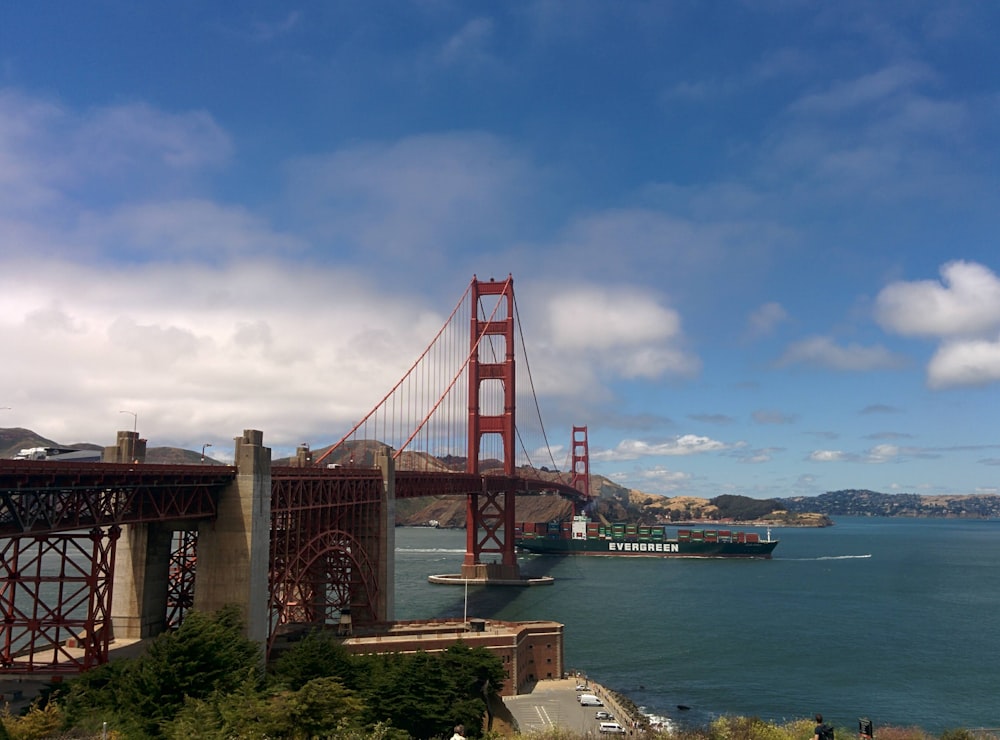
(119, 550)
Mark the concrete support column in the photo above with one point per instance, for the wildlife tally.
(234, 551)
(128, 448)
(385, 610)
(139, 594)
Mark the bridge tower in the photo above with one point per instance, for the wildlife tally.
(489, 520)
(581, 462)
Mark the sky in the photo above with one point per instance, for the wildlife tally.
(754, 243)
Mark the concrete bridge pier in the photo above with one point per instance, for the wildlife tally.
(385, 609)
(234, 551)
(233, 555)
(139, 593)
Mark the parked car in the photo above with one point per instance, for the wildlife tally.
(582, 687)
(604, 715)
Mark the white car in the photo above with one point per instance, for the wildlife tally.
(604, 715)
(582, 687)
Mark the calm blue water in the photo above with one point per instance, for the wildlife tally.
(894, 619)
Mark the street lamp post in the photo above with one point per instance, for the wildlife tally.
(135, 420)
(207, 444)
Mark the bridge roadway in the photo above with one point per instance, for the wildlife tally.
(291, 544)
(39, 497)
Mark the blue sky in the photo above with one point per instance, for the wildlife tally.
(754, 243)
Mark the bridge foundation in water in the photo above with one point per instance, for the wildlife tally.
(486, 577)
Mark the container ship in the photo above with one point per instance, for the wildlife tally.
(580, 536)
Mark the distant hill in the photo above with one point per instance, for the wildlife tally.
(16, 439)
(854, 502)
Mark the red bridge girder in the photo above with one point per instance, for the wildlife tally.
(47, 497)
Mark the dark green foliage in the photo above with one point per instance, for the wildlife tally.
(319, 654)
(207, 654)
(427, 693)
(422, 693)
(741, 508)
(321, 708)
(202, 681)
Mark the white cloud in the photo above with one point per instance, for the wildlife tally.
(755, 457)
(185, 229)
(660, 479)
(414, 199)
(963, 309)
(468, 43)
(883, 453)
(964, 363)
(865, 91)
(608, 318)
(137, 135)
(582, 338)
(965, 302)
(766, 319)
(824, 352)
(683, 445)
(772, 416)
(29, 178)
(828, 456)
(54, 157)
(258, 344)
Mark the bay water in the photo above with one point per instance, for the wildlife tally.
(896, 620)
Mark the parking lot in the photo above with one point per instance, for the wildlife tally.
(554, 704)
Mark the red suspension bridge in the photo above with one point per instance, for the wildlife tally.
(91, 552)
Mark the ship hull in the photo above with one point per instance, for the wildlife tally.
(665, 549)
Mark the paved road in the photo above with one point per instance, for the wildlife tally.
(554, 704)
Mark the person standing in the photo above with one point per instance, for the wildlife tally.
(823, 731)
(459, 733)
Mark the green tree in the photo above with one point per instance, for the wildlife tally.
(426, 693)
(322, 707)
(37, 722)
(318, 655)
(243, 713)
(207, 654)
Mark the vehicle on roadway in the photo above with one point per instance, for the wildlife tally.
(582, 687)
(604, 715)
(589, 700)
(611, 728)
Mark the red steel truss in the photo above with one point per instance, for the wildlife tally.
(325, 545)
(55, 594)
(181, 576)
(59, 525)
(41, 496)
